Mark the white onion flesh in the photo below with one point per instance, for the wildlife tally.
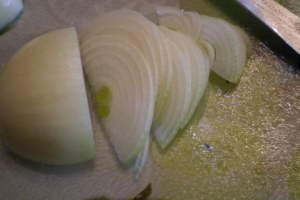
(9, 11)
(178, 100)
(198, 63)
(196, 22)
(45, 113)
(229, 45)
(246, 40)
(175, 19)
(209, 49)
(116, 64)
(145, 36)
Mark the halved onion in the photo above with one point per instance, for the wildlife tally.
(186, 22)
(43, 106)
(197, 62)
(145, 36)
(122, 81)
(229, 45)
(178, 100)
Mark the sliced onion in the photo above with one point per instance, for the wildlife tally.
(197, 62)
(229, 45)
(178, 100)
(145, 36)
(186, 22)
(114, 63)
(44, 109)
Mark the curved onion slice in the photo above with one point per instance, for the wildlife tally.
(145, 36)
(209, 49)
(9, 12)
(198, 63)
(121, 78)
(246, 39)
(186, 22)
(178, 100)
(229, 45)
(45, 113)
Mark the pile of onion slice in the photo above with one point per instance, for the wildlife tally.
(144, 78)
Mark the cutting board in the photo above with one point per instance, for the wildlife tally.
(253, 128)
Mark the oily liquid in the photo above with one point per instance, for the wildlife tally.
(242, 146)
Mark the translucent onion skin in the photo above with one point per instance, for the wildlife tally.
(44, 109)
(116, 64)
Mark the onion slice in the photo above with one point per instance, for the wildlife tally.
(178, 100)
(122, 82)
(209, 49)
(175, 19)
(197, 62)
(132, 27)
(229, 45)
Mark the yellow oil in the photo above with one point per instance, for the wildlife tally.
(241, 146)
